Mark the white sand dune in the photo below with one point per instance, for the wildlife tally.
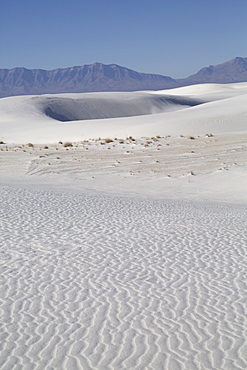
(130, 253)
(221, 109)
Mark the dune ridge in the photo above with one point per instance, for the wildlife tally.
(189, 110)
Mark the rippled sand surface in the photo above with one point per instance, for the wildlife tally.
(105, 282)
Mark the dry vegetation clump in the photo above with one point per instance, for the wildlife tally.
(46, 147)
(2, 142)
(67, 144)
(30, 145)
(191, 137)
(209, 135)
(107, 141)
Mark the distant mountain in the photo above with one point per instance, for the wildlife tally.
(87, 78)
(100, 77)
(232, 71)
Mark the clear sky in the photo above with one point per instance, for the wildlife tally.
(174, 38)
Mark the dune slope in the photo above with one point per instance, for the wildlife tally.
(188, 110)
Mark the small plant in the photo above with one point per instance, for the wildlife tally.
(2, 142)
(107, 141)
(30, 145)
(191, 137)
(46, 147)
(67, 144)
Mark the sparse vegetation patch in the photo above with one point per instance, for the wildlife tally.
(67, 144)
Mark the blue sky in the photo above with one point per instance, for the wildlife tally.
(174, 38)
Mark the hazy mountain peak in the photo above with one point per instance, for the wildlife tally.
(234, 70)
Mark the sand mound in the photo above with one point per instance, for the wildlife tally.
(189, 110)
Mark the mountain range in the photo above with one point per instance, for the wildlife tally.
(100, 77)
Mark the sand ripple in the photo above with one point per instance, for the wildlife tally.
(98, 282)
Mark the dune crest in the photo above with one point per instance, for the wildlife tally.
(194, 109)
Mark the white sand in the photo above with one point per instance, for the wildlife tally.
(23, 119)
(129, 254)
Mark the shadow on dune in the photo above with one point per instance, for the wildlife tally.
(92, 106)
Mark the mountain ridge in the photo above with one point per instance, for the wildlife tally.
(100, 77)
(235, 70)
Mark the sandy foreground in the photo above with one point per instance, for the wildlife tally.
(209, 167)
(103, 269)
(127, 253)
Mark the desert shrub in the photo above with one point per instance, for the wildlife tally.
(67, 144)
(191, 137)
(30, 145)
(107, 141)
